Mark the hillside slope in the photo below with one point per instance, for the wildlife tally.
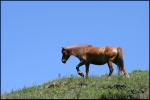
(74, 87)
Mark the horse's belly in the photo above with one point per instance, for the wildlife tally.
(98, 61)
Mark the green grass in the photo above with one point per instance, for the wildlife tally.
(75, 87)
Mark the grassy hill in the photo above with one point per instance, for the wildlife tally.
(75, 87)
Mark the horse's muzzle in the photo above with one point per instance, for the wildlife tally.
(64, 61)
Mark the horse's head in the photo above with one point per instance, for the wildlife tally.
(65, 55)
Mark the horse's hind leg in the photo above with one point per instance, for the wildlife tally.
(110, 69)
(119, 70)
(125, 73)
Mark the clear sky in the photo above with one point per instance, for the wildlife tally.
(33, 33)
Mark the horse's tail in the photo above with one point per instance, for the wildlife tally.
(120, 61)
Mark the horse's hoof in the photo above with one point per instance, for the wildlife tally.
(109, 78)
(81, 74)
(127, 77)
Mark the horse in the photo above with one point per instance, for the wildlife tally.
(88, 54)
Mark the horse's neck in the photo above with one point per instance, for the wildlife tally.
(74, 50)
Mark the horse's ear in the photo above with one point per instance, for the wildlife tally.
(63, 47)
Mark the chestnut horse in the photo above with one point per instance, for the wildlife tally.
(88, 54)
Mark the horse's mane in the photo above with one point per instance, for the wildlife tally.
(79, 49)
(83, 45)
(80, 46)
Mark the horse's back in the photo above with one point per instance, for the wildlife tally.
(95, 50)
(101, 55)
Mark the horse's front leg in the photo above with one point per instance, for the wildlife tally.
(78, 70)
(87, 69)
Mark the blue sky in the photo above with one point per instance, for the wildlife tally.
(32, 34)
